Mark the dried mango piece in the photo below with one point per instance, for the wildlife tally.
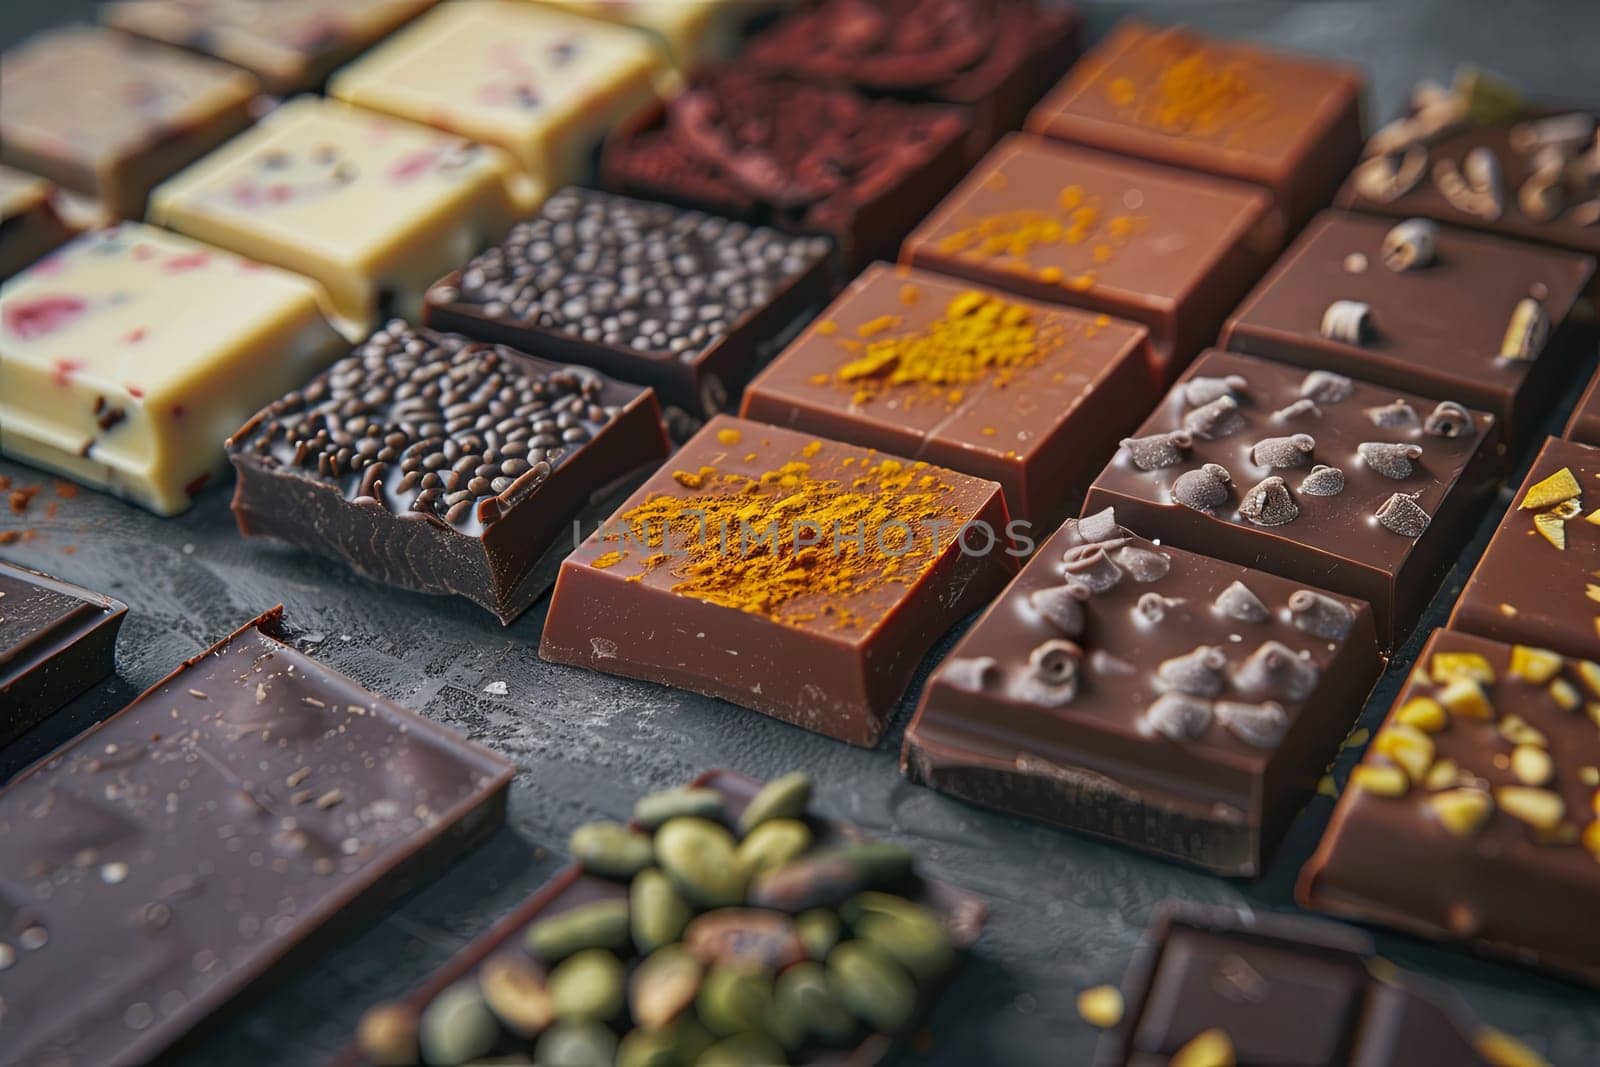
(1560, 486)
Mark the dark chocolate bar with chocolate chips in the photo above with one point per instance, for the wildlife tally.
(442, 465)
(687, 303)
(56, 641)
(1147, 695)
(212, 836)
(1364, 490)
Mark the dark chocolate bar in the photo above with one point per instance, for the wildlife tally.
(442, 465)
(212, 836)
(1147, 695)
(1583, 425)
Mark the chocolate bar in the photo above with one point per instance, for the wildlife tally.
(1148, 696)
(687, 303)
(372, 208)
(1537, 582)
(1214, 985)
(1473, 817)
(291, 45)
(1173, 96)
(802, 578)
(992, 57)
(803, 158)
(441, 465)
(860, 959)
(541, 84)
(30, 226)
(127, 357)
(56, 641)
(1066, 225)
(1421, 307)
(109, 117)
(1028, 395)
(211, 836)
(1319, 478)
(1583, 425)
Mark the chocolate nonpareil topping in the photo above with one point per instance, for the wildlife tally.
(1158, 450)
(1179, 717)
(1393, 416)
(1197, 392)
(1269, 503)
(1197, 673)
(1323, 481)
(1321, 615)
(1239, 603)
(1326, 387)
(1263, 725)
(1277, 671)
(1218, 419)
(1204, 489)
(1389, 459)
(1303, 408)
(1402, 514)
(1283, 452)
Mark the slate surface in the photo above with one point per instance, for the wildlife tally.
(1066, 911)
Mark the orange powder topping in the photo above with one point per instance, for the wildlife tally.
(1189, 93)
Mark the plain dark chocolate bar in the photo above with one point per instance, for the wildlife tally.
(1147, 695)
(992, 57)
(1426, 308)
(687, 303)
(213, 835)
(1583, 425)
(800, 577)
(1269, 990)
(1473, 818)
(57, 640)
(801, 157)
(1538, 582)
(1029, 395)
(442, 465)
(1365, 490)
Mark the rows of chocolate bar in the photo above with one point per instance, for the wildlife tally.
(1172, 670)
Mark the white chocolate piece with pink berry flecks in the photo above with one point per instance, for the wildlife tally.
(128, 356)
(542, 84)
(372, 208)
(693, 31)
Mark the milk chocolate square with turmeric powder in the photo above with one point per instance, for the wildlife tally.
(1032, 396)
(1167, 94)
(799, 577)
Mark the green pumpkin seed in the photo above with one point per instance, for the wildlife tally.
(875, 988)
(828, 878)
(601, 924)
(658, 912)
(514, 990)
(732, 1001)
(663, 986)
(610, 849)
(387, 1035)
(785, 797)
(746, 938)
(743, 1050)
(915, 939)
(819, 932)
(772, 844)
(588, 986)
(803, 1002)
(698, 855)
(653, 810)
(576, 1044)
(458, 1026)
(648, 1048)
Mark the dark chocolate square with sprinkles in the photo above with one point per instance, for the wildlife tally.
(686, 302)
(56, 641)
(440, 464)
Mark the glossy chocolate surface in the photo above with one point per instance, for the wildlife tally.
(213, 833)
(1201, 702)
(802, 578)
(1517, 882)
(688, 303)
(1436, 329)
(1286, 992)
(1068, 225)
(439, 464)
(1169, 95)
(803, 158)
(56, 641)
(1029, 395)
(1321, 528)
(1583, 425)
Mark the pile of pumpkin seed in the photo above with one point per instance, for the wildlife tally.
(739, 941)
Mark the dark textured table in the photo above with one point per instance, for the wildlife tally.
(1066, 911)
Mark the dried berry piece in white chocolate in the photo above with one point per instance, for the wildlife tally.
(1283, 452)
(1239, 603)
(1448, 419)
(1205, 489)
(1326, 387)
(1323, 481)
(1061, 606)
(1389, 459)
(1198, 392)
(1179, 717)
(1197, 673)
(1158, 450)
(1262, 725)
(973, 674)
(1402, 514)
(1393, 416)
(1321, 615)
(1277, 671)
(1268, 503)
(1218, 419)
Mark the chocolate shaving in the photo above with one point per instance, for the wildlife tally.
(1275, 670)
(1326, 387)
(1321, 615)
(1179, 717)
(1261, 725)
(1197, 673)
(1239, 603)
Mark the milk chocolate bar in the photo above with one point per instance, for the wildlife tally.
(1320, 478)
(1029, 395)
(56, 641)
(30, 225)
(212, 836)
(799, 577)
(1148, 696)
(1473, 819)
(442, 465)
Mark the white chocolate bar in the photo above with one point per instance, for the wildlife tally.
(373, 208)
(694, 31)
(129, 356)
(544, 85)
